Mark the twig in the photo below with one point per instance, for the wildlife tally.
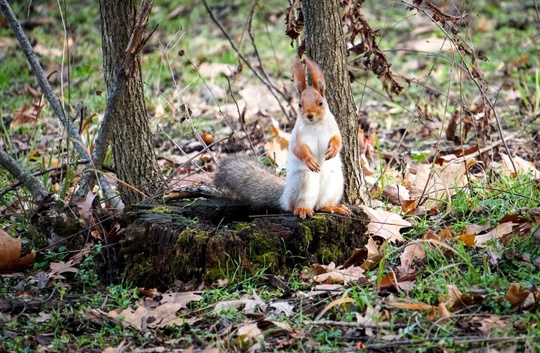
(244, 59)
(46, 87)
(38, 191)
(40, 76)
(380, 325)
(474, 79)
(457, 341)
(41, 172)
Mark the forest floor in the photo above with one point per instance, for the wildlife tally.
(452, 165)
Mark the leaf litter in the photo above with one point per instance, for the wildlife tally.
(390, 262)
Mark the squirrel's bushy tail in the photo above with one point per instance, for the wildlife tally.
(246, 179)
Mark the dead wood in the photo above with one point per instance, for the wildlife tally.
(202, 239)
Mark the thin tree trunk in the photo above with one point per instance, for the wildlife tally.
(134, 158)
(325, 43)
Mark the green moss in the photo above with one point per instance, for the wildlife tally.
(189, 241)
(160, 209)
(240, 226)
(265, 251)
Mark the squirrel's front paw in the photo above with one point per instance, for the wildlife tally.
(331, 152)
(313, 165)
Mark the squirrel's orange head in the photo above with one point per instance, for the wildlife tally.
(313, 104)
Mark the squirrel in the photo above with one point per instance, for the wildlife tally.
(314, 176)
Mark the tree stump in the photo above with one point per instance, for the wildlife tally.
(202, 239)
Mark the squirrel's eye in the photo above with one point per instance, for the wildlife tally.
(299, 104)
(320, 103)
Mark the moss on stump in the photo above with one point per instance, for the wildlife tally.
(202, 239)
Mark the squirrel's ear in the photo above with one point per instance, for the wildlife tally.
(299, 75)
(316, 75)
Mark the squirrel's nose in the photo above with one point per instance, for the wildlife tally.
(309, 116)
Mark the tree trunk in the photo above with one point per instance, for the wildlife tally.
(134, 158)
(325, 44)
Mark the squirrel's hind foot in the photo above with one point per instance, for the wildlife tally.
(341, 209)
(303, 212)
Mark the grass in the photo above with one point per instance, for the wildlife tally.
(55, 315)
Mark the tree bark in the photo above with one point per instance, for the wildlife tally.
(325, 44)
(200, 239)
(134, 157)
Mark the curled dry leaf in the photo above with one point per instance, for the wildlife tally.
(374, 254)
(10, 254)
(519, 298)
(340, 275)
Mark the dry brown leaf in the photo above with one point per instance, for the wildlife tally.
(27, 115)
(498, 232)
(412, 251)
(522, 166)
(340, 275)
(443, 311)
(10, 252)
(374, 254)
(357, 256)
(385, 224)
(249, 331)
(85, 208)
(162, 315)
(437, 184)
(454, 296)
(517, 298)
(396, 194)
(475, 229)
(57, 268)
(409, 206)
(408, 305)
(469, 239)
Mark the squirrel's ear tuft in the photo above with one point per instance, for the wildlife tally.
(299, 75)
(316, 75)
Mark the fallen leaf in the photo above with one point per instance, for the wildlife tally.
(522, 166)
(57, 268)
(357, 256)
(443, 311)
(396, 194)
(340, 275)
(10, 252)
(385, 224)
(85, 208)
(518, 298)
(147, 315)
(249, 330)
(333, 304)
(247, 305)
(409, 305)
(374, 254)
(499, 231)
(282, 308)
(437, 184)
(412, 252)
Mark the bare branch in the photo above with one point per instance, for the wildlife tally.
(38, 191)
(272, 89)
(46, 87)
